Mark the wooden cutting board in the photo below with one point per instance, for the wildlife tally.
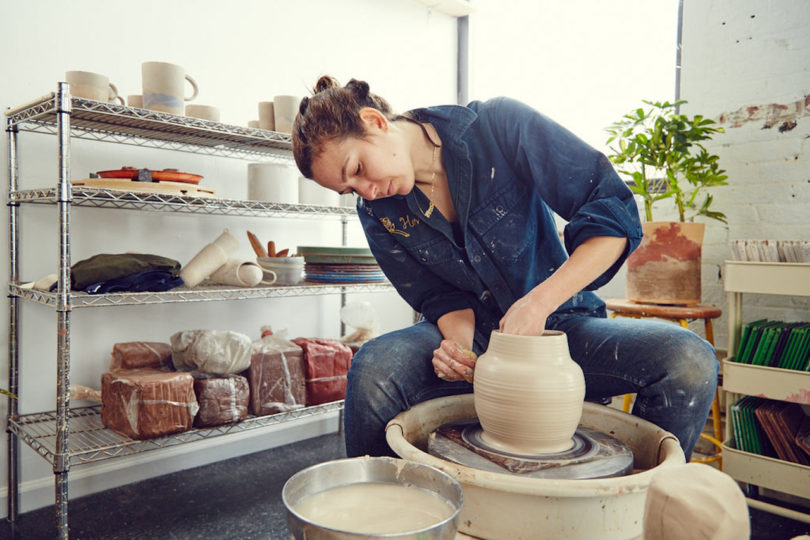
(168, 188)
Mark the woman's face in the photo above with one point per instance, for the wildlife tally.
(374, 167)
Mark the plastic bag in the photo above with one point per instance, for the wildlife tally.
(362, 317)
(276, 375)
(217, 352)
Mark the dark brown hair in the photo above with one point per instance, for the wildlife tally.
(332, 113)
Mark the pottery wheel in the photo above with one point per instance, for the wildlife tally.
(593, 455)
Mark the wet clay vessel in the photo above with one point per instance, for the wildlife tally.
(528, 393)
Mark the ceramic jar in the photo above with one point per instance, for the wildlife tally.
(528, 393)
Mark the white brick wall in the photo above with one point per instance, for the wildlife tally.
(737, 54)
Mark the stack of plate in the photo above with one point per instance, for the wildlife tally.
(340, 264)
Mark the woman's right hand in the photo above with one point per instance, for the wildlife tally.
(451, 362)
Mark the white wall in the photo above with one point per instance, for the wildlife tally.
(737, 56)
(584, 63)
(240, 53)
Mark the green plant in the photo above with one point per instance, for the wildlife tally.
(7, 393)
(661, 150)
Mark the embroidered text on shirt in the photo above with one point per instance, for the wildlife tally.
(391, 228)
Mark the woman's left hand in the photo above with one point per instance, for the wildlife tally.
(527, 316)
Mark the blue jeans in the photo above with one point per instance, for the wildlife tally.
(673, 371)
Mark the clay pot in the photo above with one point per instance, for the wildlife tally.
(528, 393)
(665, 269)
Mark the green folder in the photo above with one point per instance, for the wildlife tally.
(753, 340)
(770, 335)
(744, 339)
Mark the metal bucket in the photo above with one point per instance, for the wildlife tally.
(508, 506)
(343, 472)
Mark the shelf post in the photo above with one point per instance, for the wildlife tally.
(61, 461)
(13, 330)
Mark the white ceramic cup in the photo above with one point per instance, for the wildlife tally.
(89, 85)
(164, 85)
(205, 112)
(211, 257)
(309, 192)
(135, 100)
(285, 109)
(268, 277)
(267, 115)
(273, 182)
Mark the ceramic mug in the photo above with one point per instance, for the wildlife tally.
(285, 109)
(267, 115)
(135, 100)
(205, 112)
(163, 87)
(273, 182)
(89, 85)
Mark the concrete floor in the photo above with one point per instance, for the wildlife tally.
(235, 499)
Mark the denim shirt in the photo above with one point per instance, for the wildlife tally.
(509, 168)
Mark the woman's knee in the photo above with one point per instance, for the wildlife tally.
(691, 359)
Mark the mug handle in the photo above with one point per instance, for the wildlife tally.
(194, 86)
(115, 94)
(269, 282)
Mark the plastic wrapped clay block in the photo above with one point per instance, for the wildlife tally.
(140, 354)
(327, 362)
(222, 400)
(147, 403)
(276, 376)
(214, 352)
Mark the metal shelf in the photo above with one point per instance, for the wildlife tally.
(764, 381)
(768, 382)
(109, 122)
(90, 441)
(767, 472)
(202, 293)
(767, 278)
(158, 202)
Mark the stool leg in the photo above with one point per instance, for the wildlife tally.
(628, 398)
(709, 332)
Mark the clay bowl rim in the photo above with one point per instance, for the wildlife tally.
(591, 487)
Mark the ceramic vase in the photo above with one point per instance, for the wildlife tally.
(528, 393)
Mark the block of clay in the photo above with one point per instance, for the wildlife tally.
(222, 400)
(147, 403)
(327, 362)
(276, 377)
(140, 354)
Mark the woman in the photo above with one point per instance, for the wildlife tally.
(457, 205)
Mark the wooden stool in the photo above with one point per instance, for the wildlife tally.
(621, 307)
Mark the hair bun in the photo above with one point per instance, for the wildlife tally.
(302, 107)
(360, 89)
(325, 83)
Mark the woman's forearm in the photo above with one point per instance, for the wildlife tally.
(590, 260)
(458, 326)
(527, 316)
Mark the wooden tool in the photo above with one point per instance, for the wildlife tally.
(168, 188)
(258, 248)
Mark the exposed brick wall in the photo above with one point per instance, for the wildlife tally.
(746, 63)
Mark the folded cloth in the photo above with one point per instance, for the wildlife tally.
(155, 280)
(106, 267)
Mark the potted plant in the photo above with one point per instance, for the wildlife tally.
(661, 152)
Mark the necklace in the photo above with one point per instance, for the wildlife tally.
(432, 185)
